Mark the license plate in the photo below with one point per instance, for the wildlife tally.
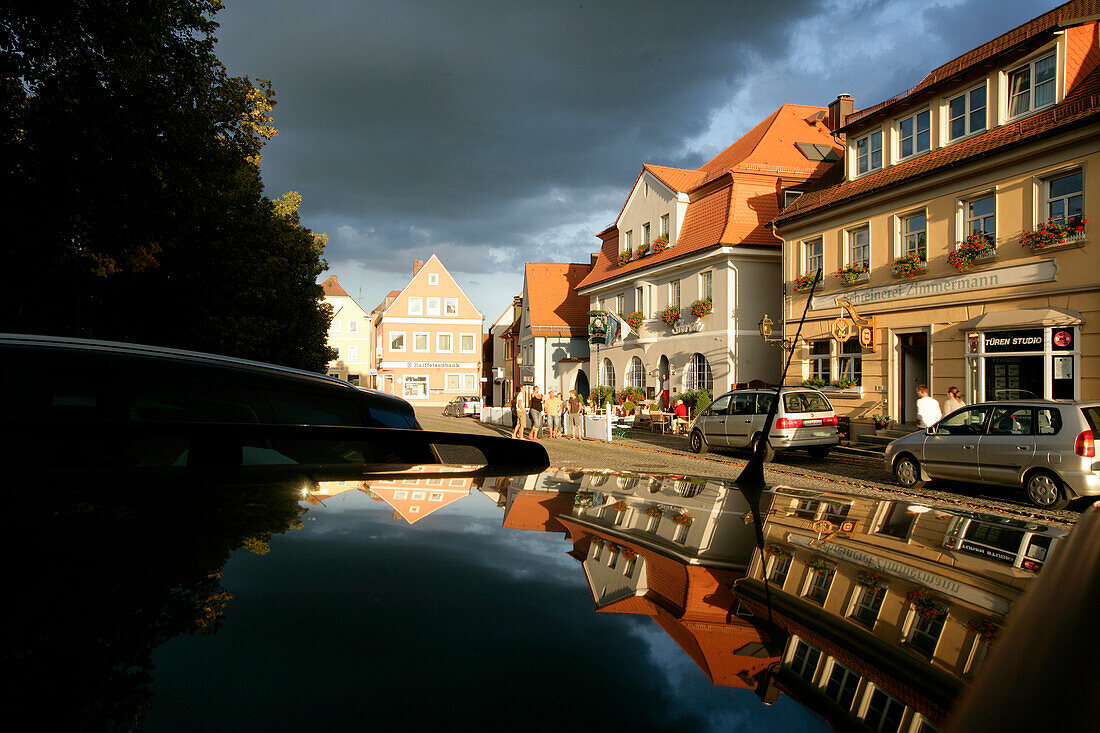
(809, 423)
(821, 434)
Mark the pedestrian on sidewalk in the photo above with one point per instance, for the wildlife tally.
(576, 409)
(928, 409)
(954, 401)
(536, 412)
(553, 413)
(519, 411)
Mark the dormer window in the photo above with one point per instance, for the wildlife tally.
(1032, 87)
(966, 113)
(915, 134)
(790, 196)
(646, 231)
(628, 240)
(869, 153)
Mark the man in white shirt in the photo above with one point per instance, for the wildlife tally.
(928, 409)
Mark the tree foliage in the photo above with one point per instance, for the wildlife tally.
(137, 211)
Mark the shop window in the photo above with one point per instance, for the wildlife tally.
(914, 239)
(915, 134)
(841, 686)
(966, 113)
(1065, 197)
(850, 361)
(819, 361)
(1031, 87)
(804, 660)
(415, 387)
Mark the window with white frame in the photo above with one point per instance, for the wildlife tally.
(635, 373)
(334, 327)
(444, 343)
(415, 388)
(640, 300)
(850, 361)
(664, 225)
(781, 567)
(619, 304)
(400, 495)
(435, 496)
(884, 712)
(466, 343)
(1031, 87)
(790, 196)
(812, 256)
(469, 382)
(925, 632)
(966, 113)
(607, 374)
(628, 240)
(353, 353)
(353, 326)
(433, 278)
(819, 360)
(418, 496)
(674, 292)
(980, 215)
(416, 306)
(450, 306)
(818, 584)
(1065, 196)
(804, 659)
(868, 604)
(453, 383)
(420, 342)
(646, 233)
(914, 134)
(869, 153)
(841, 685)
(698, 375)
(706, 286)
(433, 306)
(914, 237)
(859, 246)
(397, 341)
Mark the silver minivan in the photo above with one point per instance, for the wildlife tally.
(1046, 447)
(805, 420)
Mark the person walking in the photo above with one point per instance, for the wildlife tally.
(519, 403)
(553, 413)
(575, 406)
(954, 401)
(536, 412)
(928, 409)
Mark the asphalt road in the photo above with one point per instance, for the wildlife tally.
(664, 454)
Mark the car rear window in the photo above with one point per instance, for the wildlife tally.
(806, 402)
(1092, 416)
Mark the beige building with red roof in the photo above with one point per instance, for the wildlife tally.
(350, 333)
(931, 225)
(701, 238)
(553, 332)
(429, 339)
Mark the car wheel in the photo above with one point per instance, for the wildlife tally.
(819, 452)
(1045, 491)
(907, 472)
(769, 452)
(697, 443)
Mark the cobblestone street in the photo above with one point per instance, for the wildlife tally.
(656, 453)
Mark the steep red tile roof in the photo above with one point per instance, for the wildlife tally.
(733, 196)
(1005, 43)
(556, 308)
(1080, 107)
(538, 510)
(332, 288)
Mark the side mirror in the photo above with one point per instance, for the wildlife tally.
(930, 430)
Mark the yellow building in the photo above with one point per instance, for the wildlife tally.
(932, 229)
(350, 333)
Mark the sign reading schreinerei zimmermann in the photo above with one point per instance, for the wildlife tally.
(932, 581)
(1032, 272)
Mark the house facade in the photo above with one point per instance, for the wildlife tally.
(350, 333)
(553, 332)
(429, 339)
(699, 240)
(938, 212)
(503, 381)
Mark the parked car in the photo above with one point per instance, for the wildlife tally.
(805, 420)
(463, 406)
(1045, 447)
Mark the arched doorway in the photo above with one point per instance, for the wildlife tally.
(662, 381)
(581, 385)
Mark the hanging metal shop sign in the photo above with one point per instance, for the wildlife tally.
(854, 325)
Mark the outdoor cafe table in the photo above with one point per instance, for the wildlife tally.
(661, 421)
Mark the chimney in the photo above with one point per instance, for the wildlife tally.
(594, 256)
(417, 264)
(839, 111)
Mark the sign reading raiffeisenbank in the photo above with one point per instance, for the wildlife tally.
(1032, 272)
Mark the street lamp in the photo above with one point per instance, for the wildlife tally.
(766, 326)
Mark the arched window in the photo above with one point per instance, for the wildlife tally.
(607, 374)
(635, 374)
(697, 375)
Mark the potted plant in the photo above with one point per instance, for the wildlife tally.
(870, 580)
(985, 628)
(603, 394)
(974, 247)
(815, 383)
(702, 307)
(642, 251)
(629, 554)
(819, 565)
(1054, 232)
(634, 320)
(670, 315)
(654, 511)
(620, 506)
(850, 274)
(660, 243)
(881, 421)
(908, 266)
(805, 282)
(625, 256)
(682, 519)
(926, 605)
(845, 383)
(775, 551)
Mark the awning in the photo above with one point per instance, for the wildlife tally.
(1029, 317)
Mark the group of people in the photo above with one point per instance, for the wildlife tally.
(928, 408)
(530, 409)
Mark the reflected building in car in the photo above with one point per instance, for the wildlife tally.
(414, 498)
(890, 606)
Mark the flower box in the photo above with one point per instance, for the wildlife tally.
(625, 256)
(909, 266)
(927, 606)
(1055, 232)
(634, 320)
(978, 246)
(660, 244)
(702, 307)
(985, 628)
(653, 511)
(805, 282)
(670, 315)
(851, 274)
(819, 565)
(642, 251)
(682, 519)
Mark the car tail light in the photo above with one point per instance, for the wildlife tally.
(829, 420)
(1085, 445)
(786, 423)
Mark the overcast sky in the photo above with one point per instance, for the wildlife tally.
(494, 133)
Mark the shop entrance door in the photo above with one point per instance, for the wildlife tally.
(912, 371)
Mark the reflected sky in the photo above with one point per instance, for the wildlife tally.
(359, 619)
